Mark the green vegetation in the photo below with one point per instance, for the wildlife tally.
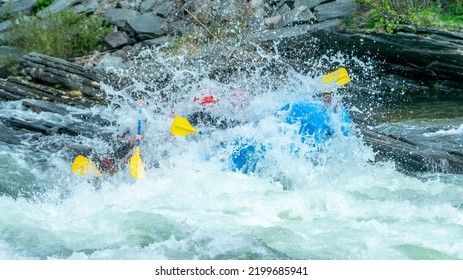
(64, 34)
(8, 62)
(42, 4)
(390, 15)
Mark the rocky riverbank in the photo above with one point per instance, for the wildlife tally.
(418, 61)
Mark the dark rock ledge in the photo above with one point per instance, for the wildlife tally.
(55, 80)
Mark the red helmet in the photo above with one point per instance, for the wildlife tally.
(209, 99)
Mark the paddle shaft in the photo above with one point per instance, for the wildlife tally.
(139, 126)
(137, 169)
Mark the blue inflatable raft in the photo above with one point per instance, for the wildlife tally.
(315, 127)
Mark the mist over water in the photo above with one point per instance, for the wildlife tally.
(329, 202)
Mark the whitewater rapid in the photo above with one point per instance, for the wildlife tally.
(342, 205)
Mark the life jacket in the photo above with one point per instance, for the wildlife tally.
(107, 164)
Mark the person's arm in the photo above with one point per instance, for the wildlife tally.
(123, 150)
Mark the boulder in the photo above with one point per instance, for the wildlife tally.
(116, 40)
(165, 9)
(339, 9)
(146, 6)
(297, 16)
(120, 16)
(148, 26)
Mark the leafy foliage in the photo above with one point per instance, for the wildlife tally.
(42, 4)
(389, 15)
(64, 34)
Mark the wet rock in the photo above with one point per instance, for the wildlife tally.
(39, 106)
(9, 136)
(149, 5)
(16, 89)
(297, 16)
(116, 40)
(120, 16)
(110, 61)
(58, 6)
(430, 57)
(33, 126)
(165, 9)
(88, 7)
(291, 35)
(334, 10)
(148, 26)
(413, 157)
(63, 74)
(311, 4)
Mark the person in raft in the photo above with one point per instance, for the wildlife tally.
(206, 113)
(336, 107)
(316, 119)
(112, 162)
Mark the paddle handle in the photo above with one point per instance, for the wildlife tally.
(139, 126)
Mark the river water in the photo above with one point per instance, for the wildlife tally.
(337, 204)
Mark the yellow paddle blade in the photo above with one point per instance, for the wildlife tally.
(182, 127)
(84, 166)
(136, 165)
(339, 76)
